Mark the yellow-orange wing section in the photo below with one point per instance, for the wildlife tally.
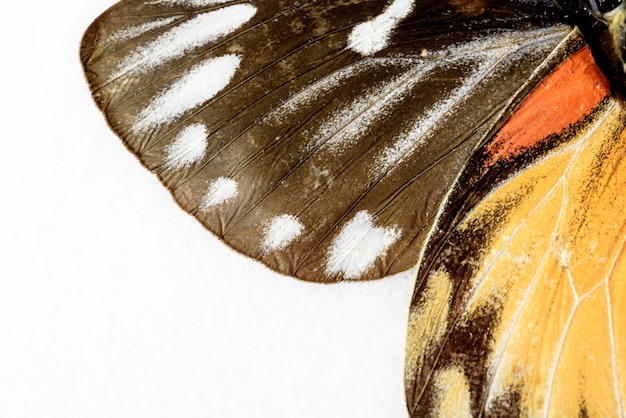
(520, 304)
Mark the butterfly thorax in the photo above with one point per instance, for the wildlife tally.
(603, 24)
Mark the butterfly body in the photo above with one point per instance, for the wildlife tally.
(352, 140)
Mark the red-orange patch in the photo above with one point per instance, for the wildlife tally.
(572, 91)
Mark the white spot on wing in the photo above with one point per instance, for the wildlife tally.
(195, 87)
(355, 249)
(220, 190)
(192, 3)
(280, 231)
(313, 91)
(345, 126)
(176, 42)
(483, 54)
(370, 37)
(137, 30)
(411, 141)
(188, 147)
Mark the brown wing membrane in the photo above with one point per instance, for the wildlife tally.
(297, 136)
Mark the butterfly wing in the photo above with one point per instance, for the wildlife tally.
(318, 137)
(519, 303)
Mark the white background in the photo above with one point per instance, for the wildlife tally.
(115, 303)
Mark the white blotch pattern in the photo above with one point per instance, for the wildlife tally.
(355, 249)
(191, 90)
(188, 147)
(485, 54)
(514, 41)
(369, 37)
(325, 85)
(220, 190)
(192, 3)
(313, 91)
(176, 42)
(346, 126)
(408, 143)
(280, 231)
(134, 31)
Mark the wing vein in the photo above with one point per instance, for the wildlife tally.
(616, 378)
(553, 368)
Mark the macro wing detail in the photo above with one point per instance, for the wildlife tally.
(319, 137)
(520, 300)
